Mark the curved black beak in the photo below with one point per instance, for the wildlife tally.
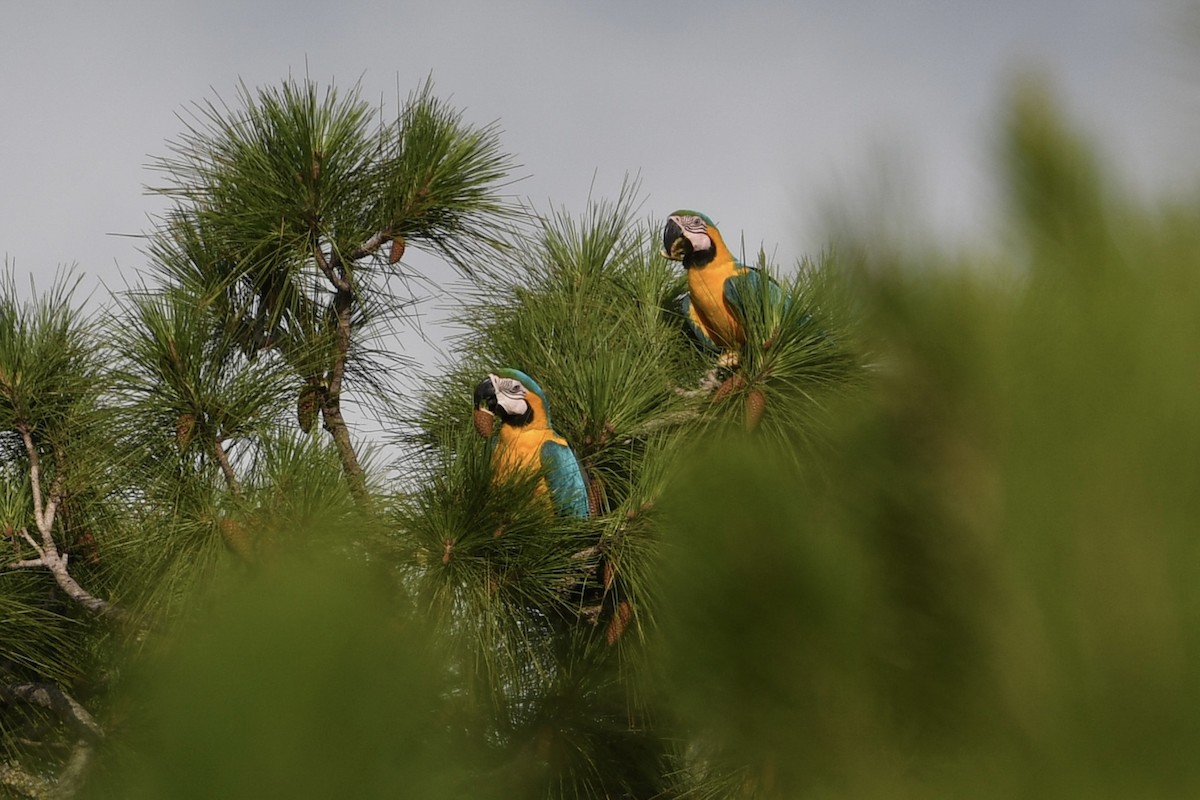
(672, 233)
(485, 395)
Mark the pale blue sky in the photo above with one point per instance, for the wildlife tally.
(755, 112)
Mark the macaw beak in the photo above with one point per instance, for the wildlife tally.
(485, 396)
(675, 245)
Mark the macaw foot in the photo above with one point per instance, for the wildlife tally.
(591, 614)
(729, 360)
(711, 380)
(717, 377)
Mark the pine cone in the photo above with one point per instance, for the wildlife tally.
(731, 385)
(87, 549)
(595, 496)
(485, 422)
(306, 407)
(756, 406)
(622, 615)
(184, 429)
(397, 251)
(237, 539)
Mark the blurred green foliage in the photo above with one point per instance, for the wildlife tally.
(300, 683)
(969, 570)
(987, 588)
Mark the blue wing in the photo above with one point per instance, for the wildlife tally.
(565, 478)
(693, 323)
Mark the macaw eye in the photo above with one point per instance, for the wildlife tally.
(510, 386)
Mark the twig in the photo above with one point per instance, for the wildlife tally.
(25, 535)
(370, 245)
(231, 479)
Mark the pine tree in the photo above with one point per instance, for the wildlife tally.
(549, 622)
(291, 215)
(148, 452)
(61, 497)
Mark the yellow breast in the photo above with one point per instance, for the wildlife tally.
(706, 285)
(520, 450)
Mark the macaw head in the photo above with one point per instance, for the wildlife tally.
(691, 237)
(514, 397)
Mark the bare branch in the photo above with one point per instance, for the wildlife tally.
(48, 554)
(75, 716)
(70, 780)
(370, 245)
(33, 563)
(336, 277)
(35, 474)
(56, 491)
(331, 410)
(231, 479)
(26, 783)
(587, 552)
(342, 304)
(58, 568)
(36, 547)
(50, 696)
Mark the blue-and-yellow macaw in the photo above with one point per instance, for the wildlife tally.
(718, 285)
(527, 441)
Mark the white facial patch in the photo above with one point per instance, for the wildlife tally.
(699, 241)
(695, 231)
(510, 394)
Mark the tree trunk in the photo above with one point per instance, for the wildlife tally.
(331, 408)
